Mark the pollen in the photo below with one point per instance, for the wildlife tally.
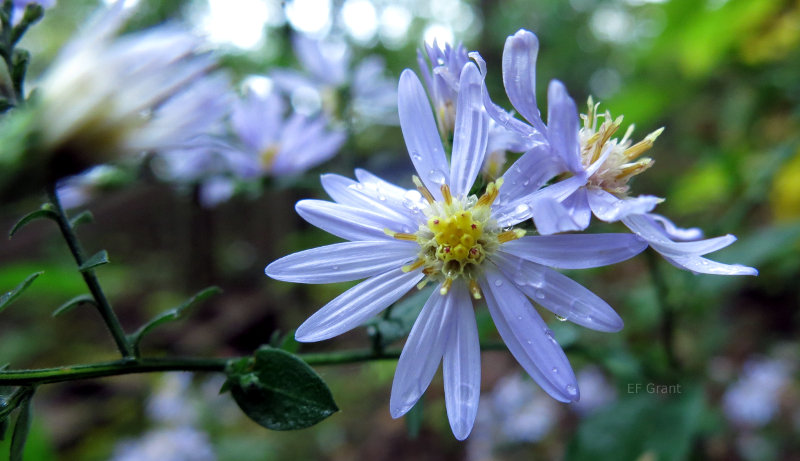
(268, 155)
(457, 235)
(621, 155)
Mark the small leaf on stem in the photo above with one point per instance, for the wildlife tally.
(84, 217)
(38, 214)
(98, 259)
(279, 391)
(21, 428)
(12, 295)
(73, 303)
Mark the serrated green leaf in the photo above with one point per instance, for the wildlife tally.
(279, 391)
(42, 213)
(8, 298)
(172, 314)
(98, 259)
(21, 429)
(73, 303)
(84, 217)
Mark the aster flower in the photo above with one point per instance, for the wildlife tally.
(439, 234)
(328, 71)
(148, 91)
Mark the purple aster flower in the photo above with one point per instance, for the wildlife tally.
(399, 239)
(272, 143)
(328, 71)
(754, 399)
(148, 91)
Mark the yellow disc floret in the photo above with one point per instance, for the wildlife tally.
(457, 236)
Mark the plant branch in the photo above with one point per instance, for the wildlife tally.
(101, 302)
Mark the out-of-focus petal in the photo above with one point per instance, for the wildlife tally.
(420, 133)
(576, 251)
(342, 262)
(354, 306)
(423, 351)
(559, 294)
(528, 338)
(462, 366)
(471, 132)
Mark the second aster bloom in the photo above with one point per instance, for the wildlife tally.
(440, 234)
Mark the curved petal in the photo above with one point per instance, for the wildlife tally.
(471, 132)
(609, 208)
(578, 208)
(420, 133)
(342, 262)
(347, 222)
(561, 207)
(462, 366)
(376, 197)
(675, 232)
(698, 264)
(354, 306)
(576, 251)
(657, 237)
(365, 177)
(423, 351)
(526, 176)
(562, 125)
(559, 294)
(519, 75)
(528, 338)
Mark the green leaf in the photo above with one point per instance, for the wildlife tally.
(41, 213)
(172, 314)
(21, 429)
(279, 391)
(73, 303)
(400, 319)
(84, 217)
(12, 295)
(98, 259)
(3, 428)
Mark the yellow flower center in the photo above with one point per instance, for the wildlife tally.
(621, 164)
(457, 236)
(267, 156)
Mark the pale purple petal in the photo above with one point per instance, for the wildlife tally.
(528, 338)
(551, 216)
(675, 232)
(576, 251)
(342, 262)
(577, 205)
(374, 197)
(559, 294)
(519, 75)
(562, 125)
(422, 352)
(471, 132)
(347, 222)
(701, 265)
(354, 306)
(420, 133)
(609, 208)
(526, 176)
(365, 177)
(462, 366)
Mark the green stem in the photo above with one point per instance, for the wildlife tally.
(667, 312)
(103, 306)
(151, 365)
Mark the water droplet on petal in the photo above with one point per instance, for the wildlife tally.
(336, 268)
(554, 370)
(498, 283)
(437, 176)
(539, 294)
(570, 389)
(560, 318)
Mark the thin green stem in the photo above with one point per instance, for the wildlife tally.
(151, 365)
(101, 302)
(667, 311)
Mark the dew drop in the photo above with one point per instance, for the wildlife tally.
(437, 176)
(336, 268)
(498, 283)
(554, 370)
(560, 318)
(529, 341)
(549, 334)
(526, 183)
(416, 156)
(570, 389)
(539, 294)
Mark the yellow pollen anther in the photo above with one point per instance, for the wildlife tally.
(448, 198)
(267, 156)
(475, 290)
(415, 265)
(400, 235)
(510, 235)
(492, 191)
(422, 189)
(445, 286)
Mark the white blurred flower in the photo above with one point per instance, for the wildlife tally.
(753, 400)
